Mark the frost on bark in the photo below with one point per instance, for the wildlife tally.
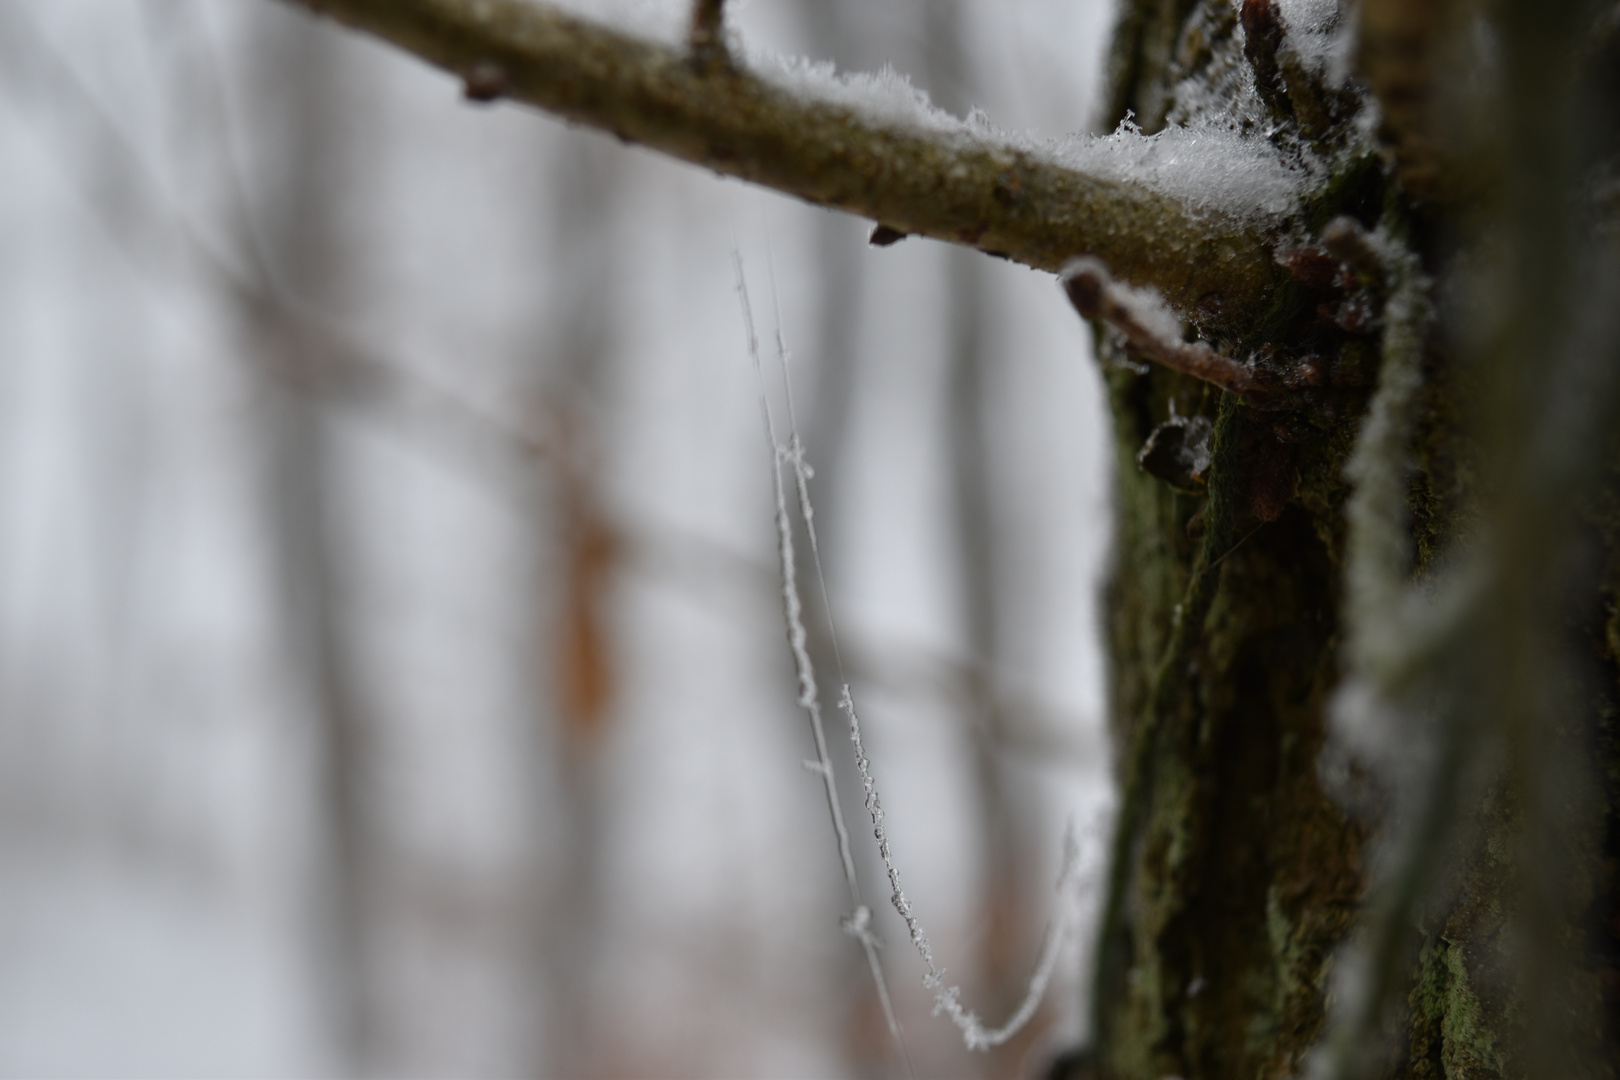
(1364, 619)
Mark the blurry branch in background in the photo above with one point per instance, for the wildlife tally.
(1016, 724)
(951, 182)
(350, 372)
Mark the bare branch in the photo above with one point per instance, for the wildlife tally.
(1096, 295)
(956, 185)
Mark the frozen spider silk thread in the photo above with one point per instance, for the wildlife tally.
(947, 999)
(857, 924)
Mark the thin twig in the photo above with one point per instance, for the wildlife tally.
(1150, 330)
(707, 39)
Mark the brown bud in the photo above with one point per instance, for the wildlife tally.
(884, 235)
(1085, 289)
(485, 81)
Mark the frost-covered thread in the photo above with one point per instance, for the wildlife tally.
(793, 607)
(857, 924)
(802, 472)
(1068, 914)
(947, 999)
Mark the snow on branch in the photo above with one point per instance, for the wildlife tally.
(835, 142)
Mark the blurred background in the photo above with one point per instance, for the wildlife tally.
(392, 669)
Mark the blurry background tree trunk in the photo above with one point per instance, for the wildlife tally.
(1007, 920)
(296, 250)
(576, 665)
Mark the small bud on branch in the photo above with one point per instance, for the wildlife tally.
(707, 39)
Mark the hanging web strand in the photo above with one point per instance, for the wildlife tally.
(802, 472)
(858, 923)
(947, 999)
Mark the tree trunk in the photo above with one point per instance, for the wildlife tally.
(1251, 845)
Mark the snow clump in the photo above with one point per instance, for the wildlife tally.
(1209, 168)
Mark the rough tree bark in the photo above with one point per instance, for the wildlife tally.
(1253, 850)
(1364, 622)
